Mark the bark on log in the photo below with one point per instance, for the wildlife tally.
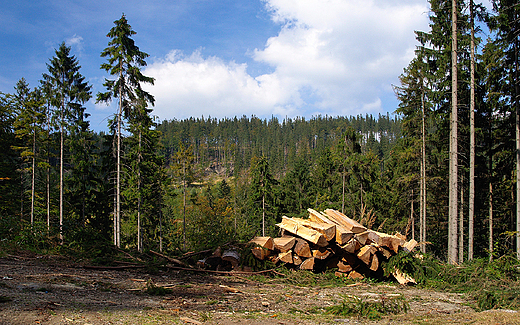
(260, 253)
(302, 248)
(232, 256)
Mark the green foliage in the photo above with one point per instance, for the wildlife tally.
(35, 237)
(419, 267)
(371, 308)
(248, 259)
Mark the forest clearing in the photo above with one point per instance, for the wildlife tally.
(205, 220)
(54, 290)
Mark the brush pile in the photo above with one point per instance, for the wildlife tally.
(330, 239)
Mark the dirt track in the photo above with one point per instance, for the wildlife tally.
(51, 290)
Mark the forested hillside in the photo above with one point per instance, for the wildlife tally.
(445, 169)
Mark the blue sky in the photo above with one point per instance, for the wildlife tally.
(225, 58)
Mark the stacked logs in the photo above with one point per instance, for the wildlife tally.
(330, 239)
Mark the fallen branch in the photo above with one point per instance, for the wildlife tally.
(94, 267)
(130, 256)
(171, 259)
(224, 272)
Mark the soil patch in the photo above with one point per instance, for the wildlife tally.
(53, 290)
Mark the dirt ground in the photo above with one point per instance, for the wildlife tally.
(53, 290)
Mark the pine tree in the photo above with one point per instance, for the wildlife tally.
(124, 63)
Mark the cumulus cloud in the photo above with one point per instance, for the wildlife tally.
(190, 85)
(76, 41)
(335, 57)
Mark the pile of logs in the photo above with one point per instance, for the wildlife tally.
(330, 239)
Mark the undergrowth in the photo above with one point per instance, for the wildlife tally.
(370, 308)
(489, 285)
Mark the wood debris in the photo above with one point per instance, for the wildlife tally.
(330, 239)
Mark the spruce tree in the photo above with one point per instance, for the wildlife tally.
(69, 92)
(124, 62)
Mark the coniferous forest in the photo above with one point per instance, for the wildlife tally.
(184, 185)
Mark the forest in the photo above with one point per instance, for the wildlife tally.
(443, 168)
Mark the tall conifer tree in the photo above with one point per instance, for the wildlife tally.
(125, 61)
(69, 92)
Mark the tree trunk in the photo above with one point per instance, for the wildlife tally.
(517, 106)
(263, 215)
(117, 222)
(471, 202)
(139, 235)
(343, 193)
(61, 173)
(33, 175)
(490, 243)
(453, 172)
(412, 219)
(422, 234)
(461, 223)
(184, 205)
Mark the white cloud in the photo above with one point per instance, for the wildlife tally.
(193, 86)
(76, 41)
(330, 57)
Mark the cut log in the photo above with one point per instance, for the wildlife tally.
(321, 253)
(286, 257)
(284, 244)
(365, 254)
(393, 242)
(345, 221)
(387, 253)
(304, 232)
(403, 278)
(362, 238)
(265, 242)
(342, 236)
(341, 274)
(302, 248)
(410, 245)
(297, 260)
(232, 256)
(328, 230)
(354, 275)
(374, 264)
(344, 267)
(350, 259)
(308, 264)
(352, 246)
(260, 253)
